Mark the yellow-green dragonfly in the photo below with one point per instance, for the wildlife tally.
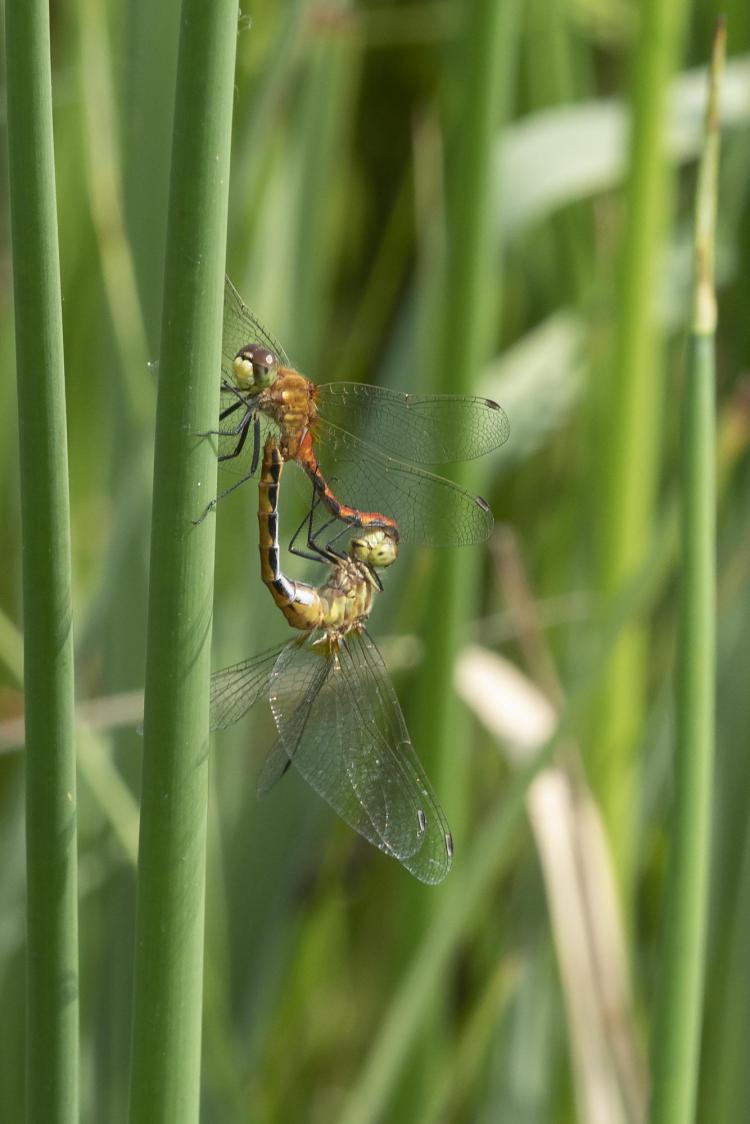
(338, 720)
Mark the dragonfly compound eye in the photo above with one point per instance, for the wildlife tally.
(255, 367)
(375, 547)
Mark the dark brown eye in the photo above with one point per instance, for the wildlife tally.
(260, 356)
(255, 365)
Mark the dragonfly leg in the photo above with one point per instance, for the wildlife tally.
(315, 554)
(227, 412)
(256, 446)
(242, 429)
(328, 549)
(212, 505)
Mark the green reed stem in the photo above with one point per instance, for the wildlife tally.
(52, 916)
(465, 320)
(328, 104)
(631, 420)
(407, 1018)
(679, 1011)
(408, 1014)
(165, 1077)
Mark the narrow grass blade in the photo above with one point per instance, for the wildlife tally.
(631, 423)
(165, 1076)
(608, 1070)
(463, 323)
(680, 1003)
(52, 918)
(491, 40)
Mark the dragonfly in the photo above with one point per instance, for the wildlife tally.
(337, 716)
(371, 442)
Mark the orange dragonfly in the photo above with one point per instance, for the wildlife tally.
(370, 442)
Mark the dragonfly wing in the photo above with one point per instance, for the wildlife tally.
(235, 689)
(426, 429)
(378, 706)
(242, 327)
(276, 764)
(428, 509)
(338, 726)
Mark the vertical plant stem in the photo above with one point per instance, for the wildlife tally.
(331, 73)
(165, 1077)
(631, 421)
(490, 43)
(678, 1020)
(52, 920)
(462, 338)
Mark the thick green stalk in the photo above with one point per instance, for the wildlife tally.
(631, 419)
(52, 918)
(326, 115)
(461, 336)
(463, 339)
(165, 1077)
(679, 1012)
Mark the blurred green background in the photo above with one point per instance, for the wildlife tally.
(336, 987)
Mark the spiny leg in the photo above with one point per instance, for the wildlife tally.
(221, 495)
(243, 429)
(228, 456)
(318, 555)
(227, 411)
(329, 549)
(256, 446)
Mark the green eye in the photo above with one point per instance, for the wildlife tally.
(377, 547)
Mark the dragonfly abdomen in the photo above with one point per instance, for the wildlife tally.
(299, 602)
(369, 520)
(338, 606)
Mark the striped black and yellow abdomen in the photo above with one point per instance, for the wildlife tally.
(343, 602)
(298, 601)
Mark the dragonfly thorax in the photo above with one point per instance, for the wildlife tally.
(346, 598)
(255, 367)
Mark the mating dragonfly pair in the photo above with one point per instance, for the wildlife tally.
(337, 716)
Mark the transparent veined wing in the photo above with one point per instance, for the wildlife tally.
(426, 429)
(242, 327)
(376, 698)
(341, 725)
(277, 762)
(235, 689)
(428, 509)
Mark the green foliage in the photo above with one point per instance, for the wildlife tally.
(677, 1026)
(52, 984)
(168, 984)
(326, 969)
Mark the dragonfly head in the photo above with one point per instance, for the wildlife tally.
(255, 367)
(377, 546)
